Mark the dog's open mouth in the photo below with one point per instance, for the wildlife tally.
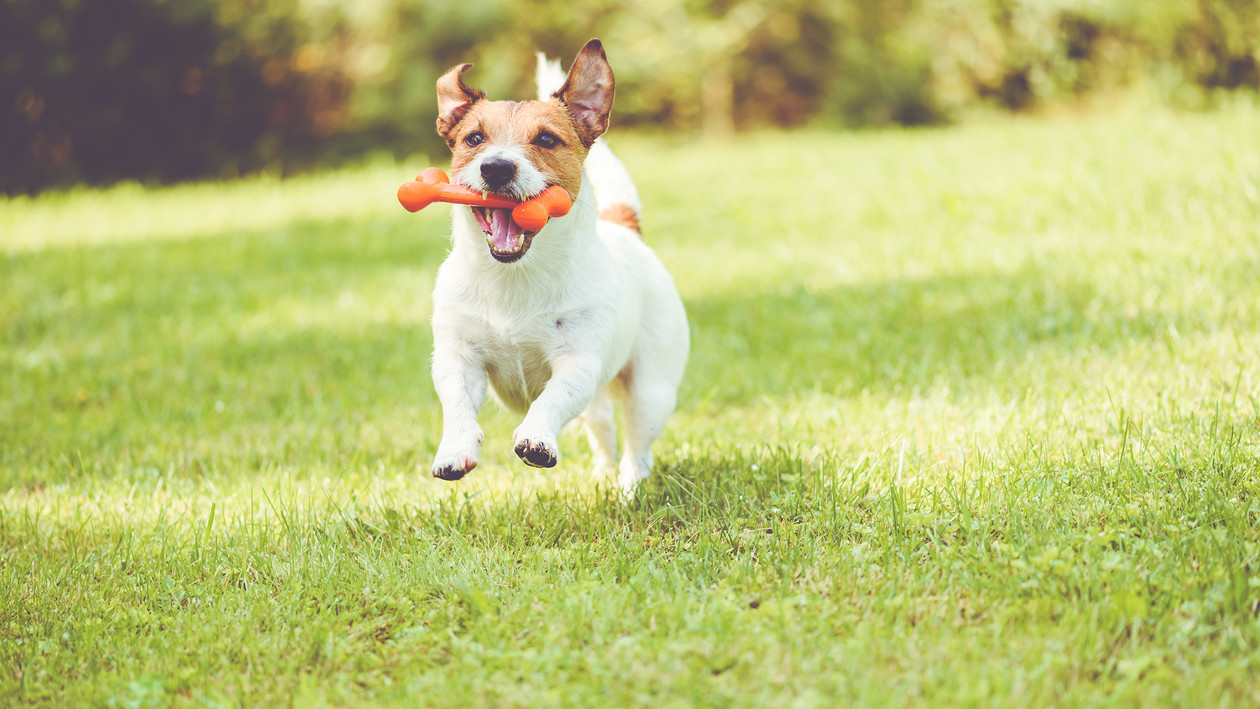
(508, 242)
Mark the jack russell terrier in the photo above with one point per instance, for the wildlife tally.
(563, 322)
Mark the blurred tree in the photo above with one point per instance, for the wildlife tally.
(99, 91)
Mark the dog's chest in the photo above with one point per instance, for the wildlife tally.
(518, 368)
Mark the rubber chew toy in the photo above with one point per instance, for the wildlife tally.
(432, 185)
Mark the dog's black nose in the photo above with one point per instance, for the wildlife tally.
(497, 172)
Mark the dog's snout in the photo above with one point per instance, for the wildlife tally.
(497, 172)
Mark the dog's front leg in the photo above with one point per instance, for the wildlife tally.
(574, 382)
(459, 375)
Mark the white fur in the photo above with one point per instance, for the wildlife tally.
(527, 183)
(549, 76)
(586, 317)
(611, 179)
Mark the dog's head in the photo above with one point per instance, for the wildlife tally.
(518, 149)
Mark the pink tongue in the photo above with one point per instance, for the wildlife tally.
(504, 233)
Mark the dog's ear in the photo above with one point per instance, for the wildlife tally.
(588, 91)
(454, 100)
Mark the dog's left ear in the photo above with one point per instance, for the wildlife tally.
(454, 100)
(588, 91)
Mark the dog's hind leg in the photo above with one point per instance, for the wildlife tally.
(601, 431)
(648, 402)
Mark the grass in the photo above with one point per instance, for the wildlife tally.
(972, 418)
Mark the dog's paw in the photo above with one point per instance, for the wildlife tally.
(630, 473)
(453, 470)
(536, 452)
(455, 459)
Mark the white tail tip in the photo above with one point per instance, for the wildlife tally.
(548, 76)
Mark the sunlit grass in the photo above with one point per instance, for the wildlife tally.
(972, 417)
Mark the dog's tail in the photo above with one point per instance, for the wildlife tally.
(616, 197)
(549, 76)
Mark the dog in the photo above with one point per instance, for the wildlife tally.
(561, 323)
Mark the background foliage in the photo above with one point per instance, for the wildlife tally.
(168, 90)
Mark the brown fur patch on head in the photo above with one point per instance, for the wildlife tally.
(622, 214)
(512, 124)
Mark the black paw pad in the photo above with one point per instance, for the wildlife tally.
(535, 454)
(449, 472)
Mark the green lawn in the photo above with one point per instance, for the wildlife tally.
(972, 418)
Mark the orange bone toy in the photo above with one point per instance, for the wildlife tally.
(432, 185)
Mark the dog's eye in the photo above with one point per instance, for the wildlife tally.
(546, 140)
(474, 139)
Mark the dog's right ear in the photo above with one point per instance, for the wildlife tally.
(588, 92)
(454, 100)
